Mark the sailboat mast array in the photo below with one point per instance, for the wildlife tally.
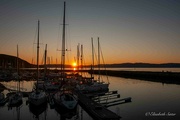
(37, 98)
(64, 98)
(16, 99)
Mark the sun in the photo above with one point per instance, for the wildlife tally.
(74, 64)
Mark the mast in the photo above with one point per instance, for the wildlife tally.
(98, 59)
(37, 57)
(63, 43)
(45, 57)
(81, 58)
(78, 53)
(18, 85)
(92, 58)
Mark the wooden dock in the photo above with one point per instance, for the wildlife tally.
(96, 110)
(108, 99)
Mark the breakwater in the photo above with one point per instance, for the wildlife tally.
(163, 77)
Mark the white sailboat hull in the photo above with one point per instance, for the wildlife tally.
(65, 100)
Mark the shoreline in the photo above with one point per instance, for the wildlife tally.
(162, 77)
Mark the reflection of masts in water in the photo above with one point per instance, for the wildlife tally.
(67, 114)
(37, 111)
(18, 108)
(81, 114)
(18, 112)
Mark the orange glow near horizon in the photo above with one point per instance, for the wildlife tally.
(145, 32)
(74, 64)
(118, 60)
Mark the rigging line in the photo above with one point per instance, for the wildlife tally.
(84, 63)
(67, 30)
(59, 36)
(33, 54)
(103, 62)
(95, 54)
(67, 47)
(67, 40)
(42, 61)
(42, 47)
(96, 58)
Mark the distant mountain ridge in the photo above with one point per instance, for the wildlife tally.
(5, 60)
(145, 65)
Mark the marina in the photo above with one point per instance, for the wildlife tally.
(94, 108)
(144, 99)
(97, 111)
(70, 91)
(89, 60)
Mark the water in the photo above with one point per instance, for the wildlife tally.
(148, 69)
(150, 101)
(147, 97)
(130, 69)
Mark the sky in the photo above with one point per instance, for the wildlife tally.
(129, 30)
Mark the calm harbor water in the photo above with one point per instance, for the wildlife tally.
(150, 101)
(148, 69)
(131, 69)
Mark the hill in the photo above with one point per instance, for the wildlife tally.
(8, 61)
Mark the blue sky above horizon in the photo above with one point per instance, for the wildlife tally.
(129, 30)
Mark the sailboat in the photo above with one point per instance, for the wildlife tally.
(37, 97)
(16, 99)
(37, 112)
(95, 85)
(64, 98)
(66, 114)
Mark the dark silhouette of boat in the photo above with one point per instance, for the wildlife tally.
(38, 110)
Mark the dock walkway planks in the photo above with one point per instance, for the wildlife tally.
(96, 110)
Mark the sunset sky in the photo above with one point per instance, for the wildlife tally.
(129, 30)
